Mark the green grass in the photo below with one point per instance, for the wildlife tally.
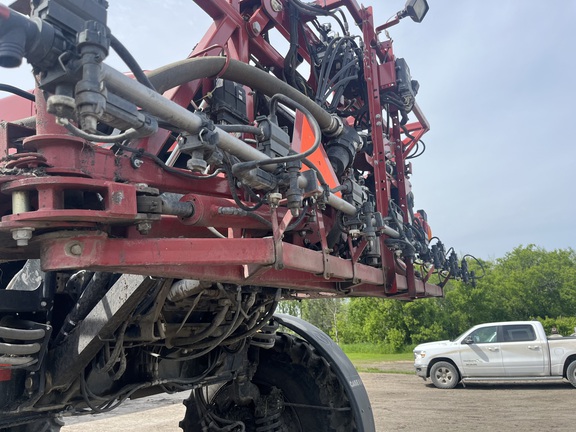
(365, 355)
(387, 371)
(357, 357)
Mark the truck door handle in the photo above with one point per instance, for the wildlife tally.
(533, 347)
(493, 349)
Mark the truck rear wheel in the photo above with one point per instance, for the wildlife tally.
(444, 375)
(299, 392)
(571, 373)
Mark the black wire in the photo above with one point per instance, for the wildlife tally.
(346, 49)
(316, 10)
(319, 175)
(416, 153)
(245, 166)
(291, 57)
(257, 327)
(260, 219)
(108, 139)
(18, 92)
(327, 67)
(407, 132)
(161, 163)
(479, 263)
(235, 197)
(299, 220)
(131, 62)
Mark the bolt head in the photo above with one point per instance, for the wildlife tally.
(276, 5)
(75, 249)
(274, 198)
(256, 28)
(22, 235)
(144, 227)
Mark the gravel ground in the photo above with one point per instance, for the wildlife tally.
(400, 401)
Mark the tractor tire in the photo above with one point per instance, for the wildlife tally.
(51, 424)
(299, 393)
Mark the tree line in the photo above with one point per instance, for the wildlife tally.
(527, 283)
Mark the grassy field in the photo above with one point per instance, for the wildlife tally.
(357, 357)
(375, 358)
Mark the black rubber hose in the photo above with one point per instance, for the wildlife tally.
(18, 91)
(95, 290)
(131, 62)
(181, 72)
(243, 166)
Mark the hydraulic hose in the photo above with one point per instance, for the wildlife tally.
(130, 61)
(95, 290)
(183, 71)
(180, 117)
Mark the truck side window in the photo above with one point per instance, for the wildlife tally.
(485, 334)
(519, 333)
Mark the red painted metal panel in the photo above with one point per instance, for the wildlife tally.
(15, 108)
(181, 247)
(126, 253)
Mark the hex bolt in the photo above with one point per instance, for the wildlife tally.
(20, 202)
(144, 227)
(29, 383)
(274, 198)
(75, 249)
(256, 28)
(22, 235)
(276, 5)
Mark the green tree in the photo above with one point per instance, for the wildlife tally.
(290, 307)
(528, 282)
(324, 314)
(531, 282)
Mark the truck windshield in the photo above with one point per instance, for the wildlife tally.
(459, 336)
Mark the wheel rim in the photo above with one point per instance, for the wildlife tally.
(444, 375)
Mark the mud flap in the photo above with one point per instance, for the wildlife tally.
(343, 368)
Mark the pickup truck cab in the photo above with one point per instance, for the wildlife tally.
(506, 351)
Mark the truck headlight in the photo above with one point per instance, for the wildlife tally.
(419, 354)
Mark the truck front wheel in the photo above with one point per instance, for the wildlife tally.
(571, 373)
(444, 375)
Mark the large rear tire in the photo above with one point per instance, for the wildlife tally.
(51, 424)
(299, 393)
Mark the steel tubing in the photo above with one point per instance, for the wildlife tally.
(180, 117)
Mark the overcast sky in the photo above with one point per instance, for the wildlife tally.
(498, 85)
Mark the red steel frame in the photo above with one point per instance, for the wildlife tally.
(71, 238)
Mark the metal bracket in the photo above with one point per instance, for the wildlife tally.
(327, 274)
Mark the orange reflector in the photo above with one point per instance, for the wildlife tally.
(304, 139)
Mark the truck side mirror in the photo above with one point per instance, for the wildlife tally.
(468, 340)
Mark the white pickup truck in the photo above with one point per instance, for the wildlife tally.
(502, 351)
